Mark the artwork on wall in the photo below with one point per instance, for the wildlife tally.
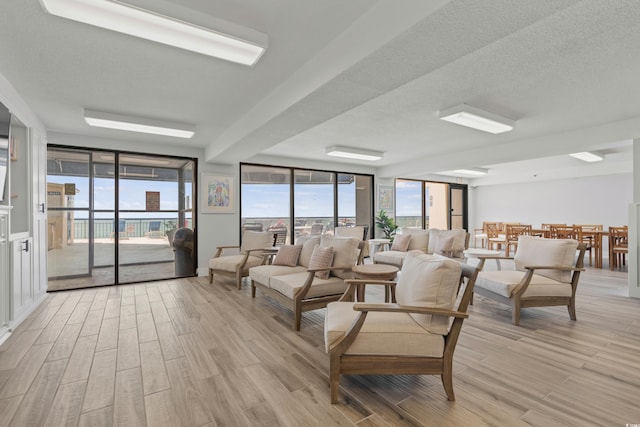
(218, 194)
(385, 197)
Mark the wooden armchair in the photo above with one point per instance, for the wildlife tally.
(413, 336)
(546, 274)
(238, 265)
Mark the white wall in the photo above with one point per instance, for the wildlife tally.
(588, 200)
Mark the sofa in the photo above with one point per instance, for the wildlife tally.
(299, 282)
(450, 243)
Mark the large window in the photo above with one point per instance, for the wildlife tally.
(428, 204)
(303, 201)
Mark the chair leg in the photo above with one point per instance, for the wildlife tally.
(239, 279)
(334, 378)
(253, 289)
(447, 381)
(297, 313)
(210, 275)
(572, 309)
(515, 312)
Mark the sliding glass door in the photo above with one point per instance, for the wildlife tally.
(112, 217)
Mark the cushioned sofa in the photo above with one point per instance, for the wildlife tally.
(310, 278)
(450, 243)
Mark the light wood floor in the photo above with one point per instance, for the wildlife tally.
(184, 352)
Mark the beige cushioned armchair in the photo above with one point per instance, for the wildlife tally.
(238, 265)
(546, 274)
(415, 336)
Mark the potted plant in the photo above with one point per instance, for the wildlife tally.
(386, 224)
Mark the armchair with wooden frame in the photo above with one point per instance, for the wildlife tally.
(413, 335)
(237, 265)
(546, 274)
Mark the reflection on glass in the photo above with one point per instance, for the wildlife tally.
(409, 203)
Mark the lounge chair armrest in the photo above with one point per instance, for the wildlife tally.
(546, 267)
(228, 247)
(397, 308)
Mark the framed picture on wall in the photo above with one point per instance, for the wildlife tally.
(385, 197)
(217, 194)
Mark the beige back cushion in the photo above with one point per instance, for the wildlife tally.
(535, 251)
(307, 250)
(419, 239)
(459, 238)
(401, 242)
(429, 281)
(255, 240)
(356, 231)
(345, 253)
(321, 258)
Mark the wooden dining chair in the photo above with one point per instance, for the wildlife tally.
(513, 233)
(587, 235)
(564, 232)
(618, 246)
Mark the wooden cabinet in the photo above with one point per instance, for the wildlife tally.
(22, 290)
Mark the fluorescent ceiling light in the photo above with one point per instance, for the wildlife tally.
(138, 124)
(476, 118)
(149, 25)
(472, 171)
(353, 153)
(588, 156)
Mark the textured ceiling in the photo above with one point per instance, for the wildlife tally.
(361, 73)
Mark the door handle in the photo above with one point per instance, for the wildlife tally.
(41, 207)
(25, 246)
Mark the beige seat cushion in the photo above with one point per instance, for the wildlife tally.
(535, 251)
(429, 281)
(263, 273)
(288, 285)
(231, 263)
(255, 240)
(505, 283)
(382, 333)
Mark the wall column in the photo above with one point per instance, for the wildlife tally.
(634, 226)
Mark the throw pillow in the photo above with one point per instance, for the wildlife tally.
(322, 257)
(288, 255)
(444, 244)
(401, 242)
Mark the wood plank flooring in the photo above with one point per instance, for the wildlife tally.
(184, 352)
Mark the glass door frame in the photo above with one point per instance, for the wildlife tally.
(91, 216)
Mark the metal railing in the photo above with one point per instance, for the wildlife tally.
(133, 227)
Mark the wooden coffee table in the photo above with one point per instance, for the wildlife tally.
(374, 272)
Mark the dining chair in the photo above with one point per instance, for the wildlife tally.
(512, 234)
(618, 246)
(587, 235)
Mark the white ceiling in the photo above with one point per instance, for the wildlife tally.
(359, 73)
